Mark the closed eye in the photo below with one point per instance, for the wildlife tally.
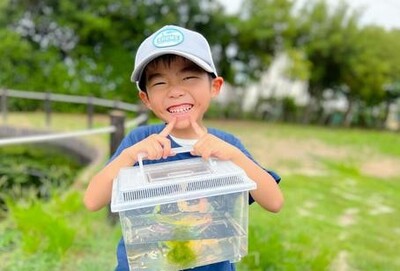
(157, 83)
(190, 77)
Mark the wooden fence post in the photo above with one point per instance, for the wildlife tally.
(117, 119)
(90, 111)
(4, 105)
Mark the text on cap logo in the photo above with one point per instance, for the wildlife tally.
(167, 38)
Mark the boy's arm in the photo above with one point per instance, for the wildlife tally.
(98, 193)
(267, 194)
(156, 146)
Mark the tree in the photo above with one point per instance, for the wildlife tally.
(366, 72)
(262, 29)
(327, 38)
(88, 47)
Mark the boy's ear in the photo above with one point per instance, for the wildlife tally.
(216, 85)
(145, 99)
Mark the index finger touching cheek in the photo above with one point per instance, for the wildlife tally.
(168, 128)
(197, 129)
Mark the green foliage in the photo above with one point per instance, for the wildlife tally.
(15, 52)
(326, 219)
(261, 31)
(300, 66)
(88, 48)
(267, 251)
(328, 41)
(181, 253)
(347, 167)
(68, 237)
(367, 73)
(27, 170)
(42, 227)
(64, 231)
(341, 215)
(50, 233)
(289, 109)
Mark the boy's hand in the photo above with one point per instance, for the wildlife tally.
(211, 146)
(155, 146)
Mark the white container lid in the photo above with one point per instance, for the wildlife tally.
(150, 185)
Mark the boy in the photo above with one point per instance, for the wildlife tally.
(176, 78)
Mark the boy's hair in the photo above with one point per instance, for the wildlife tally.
(167, 60)
(173, 40)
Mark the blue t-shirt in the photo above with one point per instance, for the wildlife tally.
(141, 133)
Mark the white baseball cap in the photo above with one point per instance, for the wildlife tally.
(175, 40)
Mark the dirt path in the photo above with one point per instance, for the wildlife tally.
(305, 157)
(291, 156)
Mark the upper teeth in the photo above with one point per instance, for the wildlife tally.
(180, 109)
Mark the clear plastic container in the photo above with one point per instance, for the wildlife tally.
(182, 214)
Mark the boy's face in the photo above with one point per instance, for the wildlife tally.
(179, 89)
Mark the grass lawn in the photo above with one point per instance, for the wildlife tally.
(341, 211)
(342, 192)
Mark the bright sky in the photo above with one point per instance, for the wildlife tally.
(385, 13)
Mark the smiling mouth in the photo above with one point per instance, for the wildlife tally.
(180, 109)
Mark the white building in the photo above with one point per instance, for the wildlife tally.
(275, 84)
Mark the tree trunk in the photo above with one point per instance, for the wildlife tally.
(348, 115)
(385, 115)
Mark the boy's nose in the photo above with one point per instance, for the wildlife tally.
(176, 91)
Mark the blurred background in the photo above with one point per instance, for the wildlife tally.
(311, 87)
(303, 61)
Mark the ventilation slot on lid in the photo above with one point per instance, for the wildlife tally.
(151, 192)
(214, 183)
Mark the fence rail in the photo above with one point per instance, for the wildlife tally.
(48, 98)
(117, 118)
(69, 99)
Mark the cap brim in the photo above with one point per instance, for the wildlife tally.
(137, 73)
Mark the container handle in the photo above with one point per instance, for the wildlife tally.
(174, 150)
